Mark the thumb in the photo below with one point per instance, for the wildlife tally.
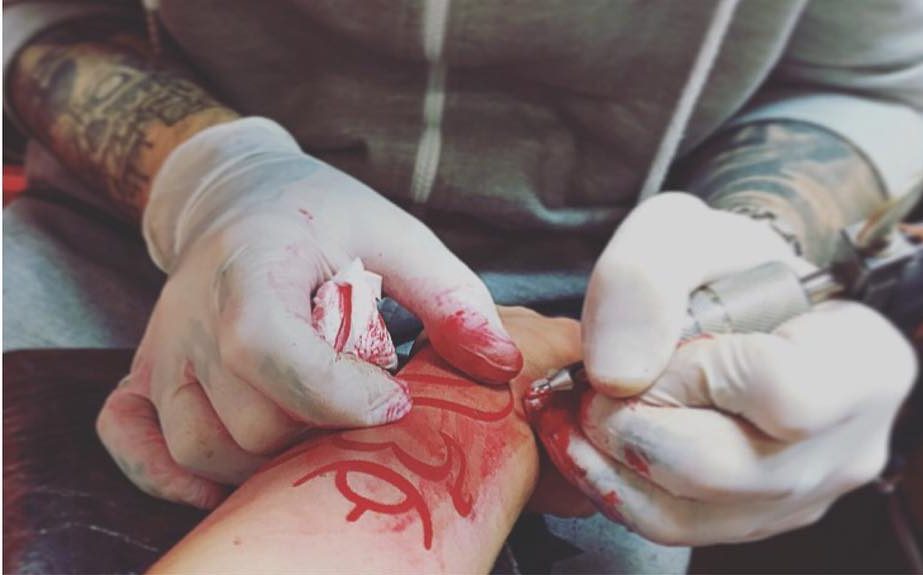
(454, 305)
(638, 293)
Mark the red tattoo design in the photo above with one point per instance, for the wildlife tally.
(449, 472)
(413, 499)
(465, 410)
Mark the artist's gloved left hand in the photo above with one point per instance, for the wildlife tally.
(729, 437)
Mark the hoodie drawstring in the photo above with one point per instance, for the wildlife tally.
(704, 60)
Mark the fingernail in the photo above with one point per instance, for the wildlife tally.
(468, 341)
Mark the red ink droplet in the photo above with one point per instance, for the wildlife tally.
(610, 502)
(638, 462)
(612, 499)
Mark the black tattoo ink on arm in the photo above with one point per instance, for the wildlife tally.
(91, 94)
(803, 180)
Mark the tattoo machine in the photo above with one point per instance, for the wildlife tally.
(869, 266)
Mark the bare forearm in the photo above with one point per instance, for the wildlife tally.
(806, 181)
(94, 97)
(437, 491)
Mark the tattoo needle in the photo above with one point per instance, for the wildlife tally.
(541, 390)
(870, 258)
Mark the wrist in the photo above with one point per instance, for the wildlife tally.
(219, 172)
(165, 139)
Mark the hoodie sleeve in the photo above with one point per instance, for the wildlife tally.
(25, 20)
(855, 68)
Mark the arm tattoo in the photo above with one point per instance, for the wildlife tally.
(423, 457)
(803, 180)
(105, 110)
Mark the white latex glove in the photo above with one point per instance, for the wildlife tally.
(235, 363)
(727, 437)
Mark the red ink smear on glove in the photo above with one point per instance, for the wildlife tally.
(345, 314)
(611, 501)
(468, 341)
(697, 337)
(638, 462)
(552, 415)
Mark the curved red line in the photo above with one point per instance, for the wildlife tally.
(462, 502)
(472, 412)
(287, 457)
(434, 379)
(413, 499)
(345, 292)
(362, 502)
(418, 466)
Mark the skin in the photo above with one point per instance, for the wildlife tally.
(293, 513)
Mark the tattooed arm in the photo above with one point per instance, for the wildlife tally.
(93, 96)
(805, 181)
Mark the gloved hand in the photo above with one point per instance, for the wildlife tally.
(722, 438)
(235, 364)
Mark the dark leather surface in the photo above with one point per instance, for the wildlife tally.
(66, 506)
(68, 509)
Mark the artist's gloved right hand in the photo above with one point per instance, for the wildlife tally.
(231, 369)
(728, 437)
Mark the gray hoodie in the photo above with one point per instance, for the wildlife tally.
(523, 131)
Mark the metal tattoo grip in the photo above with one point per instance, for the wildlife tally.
(870, 258)
(757, 300)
